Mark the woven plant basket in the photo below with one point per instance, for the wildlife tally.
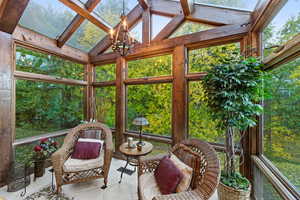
(228, 193)
(39, 168)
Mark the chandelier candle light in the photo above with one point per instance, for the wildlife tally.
(121, 39)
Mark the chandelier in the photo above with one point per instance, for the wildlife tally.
(121, 39)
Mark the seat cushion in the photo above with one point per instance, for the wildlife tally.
(167, 176)
(75, 165)
(186, 171)
(148, 187)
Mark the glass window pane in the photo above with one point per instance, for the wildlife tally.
(201, 124)
(158, 22)
(153, 102)
(155, 66)
(106, 72)
(106, 105)
(45, 107)
(200, 60)
(190, 27)
(241, 4)
(110, 10)
(284, 26)
(282, 120)
(137, 31)
(36, 62)
(86, 37)
(263, 189)
(47, 17)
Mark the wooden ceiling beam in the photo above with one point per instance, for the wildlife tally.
(264, 13)
(144, 4)
(30, 39)
(146, 33)
(187, 7)
(10, 14)
(80, 8)
(170, 28)
(212, 37)
(75, 24)
(202, 13)
(132, 17)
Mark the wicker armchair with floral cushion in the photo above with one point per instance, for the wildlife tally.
(75, 170)
(197, 154)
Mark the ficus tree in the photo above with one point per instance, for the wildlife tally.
(233, 90)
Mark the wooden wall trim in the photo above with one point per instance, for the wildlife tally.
(289, 49)
(146, 29)
(10, 14)
(202, 13)
(149, 80)
(7, 99)
(104, 83)
(156, 138)
(47, 78)
(279, 187)
(179, 95)
(144, 4)
(195, 76)
(35, 41)
(89, 94)
(187, 6)
(216, 36)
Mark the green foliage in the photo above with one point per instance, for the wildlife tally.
(232, 88)
(236, 181)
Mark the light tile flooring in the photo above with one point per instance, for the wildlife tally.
(127, 190)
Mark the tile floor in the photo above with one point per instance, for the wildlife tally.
(127, 190)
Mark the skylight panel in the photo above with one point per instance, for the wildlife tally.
(137, 31)
(47, 17)
(240, 4)
(189, 27)
(86, 37)
(158, 23)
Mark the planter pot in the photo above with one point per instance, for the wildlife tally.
(228, 193)
(39, 168)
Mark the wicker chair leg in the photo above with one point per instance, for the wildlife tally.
(105, 184)
(58, 190)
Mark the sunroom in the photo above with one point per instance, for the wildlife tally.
(150, 99)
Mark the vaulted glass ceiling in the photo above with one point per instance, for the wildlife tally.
(240, 4)
(189, 27)
(158, 23)
(48, 17)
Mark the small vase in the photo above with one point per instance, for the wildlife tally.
(39, 168)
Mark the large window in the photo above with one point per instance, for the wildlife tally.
(149, 67)
(45, 107)
(152, 101)
(282, 120)
(105, 72)
(284, 26)
(106, 105)
(36, 62)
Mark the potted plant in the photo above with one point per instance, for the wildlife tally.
(233, 90)
(42, 151)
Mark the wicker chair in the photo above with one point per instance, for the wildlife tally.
(59, 158)
(206, 168)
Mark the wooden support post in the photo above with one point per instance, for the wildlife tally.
(89, 95)
(6, 104)
(146, 26)
(121, 73)
(179, 102)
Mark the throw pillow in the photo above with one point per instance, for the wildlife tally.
(167, 176)
(87, 149)
(187, 172)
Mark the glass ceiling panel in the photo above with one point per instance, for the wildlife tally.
(137, 31)
(47, 17)
(189, 27)
(158, 23)
(86, 37)
(240, 4)
(110, 10)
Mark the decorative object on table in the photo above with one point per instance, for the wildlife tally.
(121, 39)
(140, 122)
(47, 193)
(139, 147)
(68, 170)
(242, 87)
(42, 151)
(133, 157)
(198, 155)
(130, 143)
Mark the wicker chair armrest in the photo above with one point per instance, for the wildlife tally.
(189, 195)
(59, 157)
(149, 164)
